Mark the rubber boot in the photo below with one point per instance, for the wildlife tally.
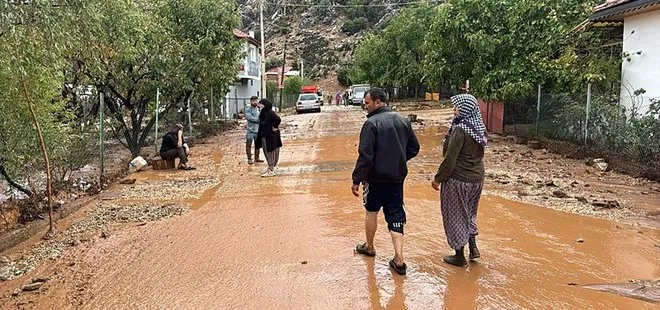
(457, 259)
(474, 251)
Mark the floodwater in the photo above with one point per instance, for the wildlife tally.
(287, 243)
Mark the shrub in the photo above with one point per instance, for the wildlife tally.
(354, 26)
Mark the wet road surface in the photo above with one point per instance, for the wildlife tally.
(286, 243)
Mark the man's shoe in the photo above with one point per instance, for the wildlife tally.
(474, 251)
(457, 259)
(250, 162)
(257, 160)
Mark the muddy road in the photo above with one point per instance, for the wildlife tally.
(287, 242)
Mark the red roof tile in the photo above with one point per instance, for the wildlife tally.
(238, 34)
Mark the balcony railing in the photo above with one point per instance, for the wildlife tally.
(253, 69)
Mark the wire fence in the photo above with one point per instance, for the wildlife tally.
(97, 150)
(594, 117)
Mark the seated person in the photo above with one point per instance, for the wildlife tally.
(174, 146)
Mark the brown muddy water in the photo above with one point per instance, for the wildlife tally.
(287, 243)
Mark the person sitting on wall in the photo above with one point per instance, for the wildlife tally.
(174, 146)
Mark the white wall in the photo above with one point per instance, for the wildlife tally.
(239, 95)
(643, 71)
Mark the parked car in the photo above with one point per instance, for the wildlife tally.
(308, 102)
(320, 97)
(357, 95)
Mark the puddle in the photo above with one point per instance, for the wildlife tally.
(287, 243)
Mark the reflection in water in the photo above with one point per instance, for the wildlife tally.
(396, 300)
(463, 287)
(374, 294)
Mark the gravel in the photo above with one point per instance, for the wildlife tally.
(169, 189)
(97, 223)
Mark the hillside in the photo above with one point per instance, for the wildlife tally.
(321, 33)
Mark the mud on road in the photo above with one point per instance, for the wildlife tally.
(238, 241)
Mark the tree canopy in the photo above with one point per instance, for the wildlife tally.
(68, 51)
(505, 48)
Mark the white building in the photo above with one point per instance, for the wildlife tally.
(248, 77)
(641, 47)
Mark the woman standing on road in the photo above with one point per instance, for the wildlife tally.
(269, 136)
(461, 177)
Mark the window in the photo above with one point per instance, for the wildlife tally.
(308, 97)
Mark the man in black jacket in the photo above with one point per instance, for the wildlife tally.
(387, 143)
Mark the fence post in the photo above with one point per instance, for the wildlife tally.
(189, 115)
(586, 122)
(212, 115)
(538, 111)
(157, 108)
(101, 136)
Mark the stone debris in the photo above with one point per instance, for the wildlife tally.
(96, 223)
(32, 286)
(169, 189)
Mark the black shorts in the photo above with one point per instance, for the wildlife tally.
(389, 196)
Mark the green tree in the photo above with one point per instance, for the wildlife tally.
(273, 63)
(354, 26)
(34, 37)
(342, 78)
(182, 47)
(504, 48)
(292, 84)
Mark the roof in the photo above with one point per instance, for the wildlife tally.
(278, 70)
(238, 34)
(610, 3)
(616, 10)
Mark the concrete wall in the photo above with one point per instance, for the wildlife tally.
(239, 95)
(642, 71)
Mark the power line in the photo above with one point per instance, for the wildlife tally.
(354, 5)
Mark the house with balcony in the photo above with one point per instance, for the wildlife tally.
(640, 69)
(248, 77)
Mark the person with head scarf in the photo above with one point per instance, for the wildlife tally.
(460, 177)
(174, 146)
(269, 136)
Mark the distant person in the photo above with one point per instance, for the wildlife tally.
(387, 143)
(461, 177)
(338, 98)
(174, 146)
(269, 136)
(252, 116)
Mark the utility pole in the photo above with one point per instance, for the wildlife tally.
(263, 49)
(283, 63)
(302, 69)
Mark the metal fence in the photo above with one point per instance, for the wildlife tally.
(95, 154)
(594, 117)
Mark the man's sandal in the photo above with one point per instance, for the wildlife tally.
(362, 249)
(401, 270)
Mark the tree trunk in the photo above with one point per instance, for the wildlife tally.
(11, 182)
(44, 151)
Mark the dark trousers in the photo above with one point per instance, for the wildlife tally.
(248, 149)
(179, 153)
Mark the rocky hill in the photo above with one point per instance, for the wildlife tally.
(321, 33)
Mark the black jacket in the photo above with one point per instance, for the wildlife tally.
(269, 122)
(170, 142)
(387, 142)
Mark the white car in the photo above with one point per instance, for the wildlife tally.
(308, 102)
(357, 95)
